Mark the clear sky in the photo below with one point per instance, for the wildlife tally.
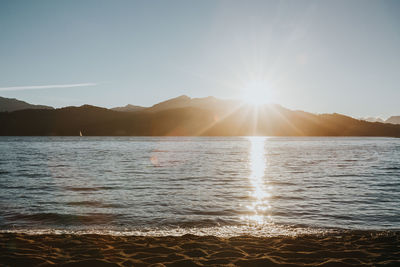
(318, 56)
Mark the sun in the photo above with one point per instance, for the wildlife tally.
(256, 93)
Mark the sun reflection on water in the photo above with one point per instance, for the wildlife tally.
(260, 194)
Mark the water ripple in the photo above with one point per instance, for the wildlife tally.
(204, 184)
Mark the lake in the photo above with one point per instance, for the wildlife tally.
(222, 186)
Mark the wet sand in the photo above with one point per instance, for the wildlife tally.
(345, 249)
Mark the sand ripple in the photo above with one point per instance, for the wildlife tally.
(347, 249)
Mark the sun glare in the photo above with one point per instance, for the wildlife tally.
(257, 93)
(260, 192)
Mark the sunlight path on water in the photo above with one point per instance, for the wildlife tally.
(260, 194)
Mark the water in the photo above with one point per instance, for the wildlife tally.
(201, 185)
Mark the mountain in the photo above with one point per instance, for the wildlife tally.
(128, 108)
(178, 102)
(393, 120)
(184, 116)
(183, 101)
(12, 104)
(372, 119)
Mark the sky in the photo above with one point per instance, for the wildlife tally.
(317, 56)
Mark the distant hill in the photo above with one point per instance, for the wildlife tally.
(393, 120)
(178, 102)
(184, 116)
(128, 108)
(184, 101)
(372, 119)
(12, 104)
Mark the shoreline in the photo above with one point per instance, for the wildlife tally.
(344, 249)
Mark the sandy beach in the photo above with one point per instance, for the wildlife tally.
(346, 249)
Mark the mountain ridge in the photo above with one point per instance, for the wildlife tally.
(12, 104)
(185, 116)
(128, 108)
(393, 120)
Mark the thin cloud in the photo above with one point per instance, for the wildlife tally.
(37, 87)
